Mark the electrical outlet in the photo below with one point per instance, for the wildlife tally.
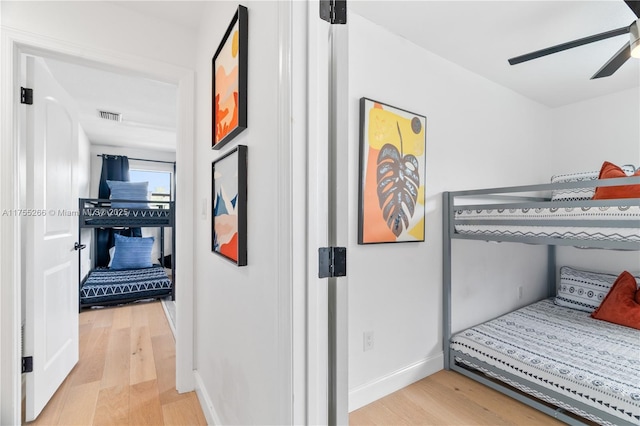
(368, 340)
(520, 292)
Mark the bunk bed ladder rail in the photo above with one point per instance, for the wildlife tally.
(447, 231)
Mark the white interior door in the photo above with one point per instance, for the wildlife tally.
(51, 227)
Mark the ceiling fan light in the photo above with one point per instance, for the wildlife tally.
(634, 42)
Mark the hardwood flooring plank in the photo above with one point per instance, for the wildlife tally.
(80, 404)
(164, 346)
(448, 398)
(121, 317)
(117, 369)
(104, 316)
(460, 409)
(494, 401)
(185, 411)
(139, 315)
(90, 365)
(142, 363)
(158, 323)
(112, 407)
(126, 373)
(145, 407)
(165, 360)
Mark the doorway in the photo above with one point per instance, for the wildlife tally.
(17, 45)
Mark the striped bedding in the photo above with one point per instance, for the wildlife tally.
(590, 363)
(553, 230)
(109, 286)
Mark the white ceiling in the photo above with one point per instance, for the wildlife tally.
(481, 35)
(477, 35)
(148, 107)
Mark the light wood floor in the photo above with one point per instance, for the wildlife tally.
(448, 398)
(126, 373)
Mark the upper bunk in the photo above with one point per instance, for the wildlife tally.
(105, 213)
(541, 214)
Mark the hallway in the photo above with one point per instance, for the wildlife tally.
(126, 373)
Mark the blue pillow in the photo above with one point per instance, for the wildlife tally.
(132, 252)
(128, 191)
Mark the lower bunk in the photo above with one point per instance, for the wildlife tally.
(560, 356)
(104, 286)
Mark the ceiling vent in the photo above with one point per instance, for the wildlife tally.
(112, 116)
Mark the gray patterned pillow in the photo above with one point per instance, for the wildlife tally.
(575, 194)
(583, 290)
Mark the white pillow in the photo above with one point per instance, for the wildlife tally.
(573, 194)
(583, 290)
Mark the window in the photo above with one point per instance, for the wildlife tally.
(159, 184)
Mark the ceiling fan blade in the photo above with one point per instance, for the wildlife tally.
(634, 5)
(614, 63)
(568, 45)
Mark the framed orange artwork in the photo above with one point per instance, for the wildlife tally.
(392, 174)
(230, 82)
(229, 196)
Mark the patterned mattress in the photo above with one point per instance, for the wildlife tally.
(109, 286)
(590, 362)
(531, 222)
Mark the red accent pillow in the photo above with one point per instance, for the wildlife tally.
(609, 171)
(620, 305)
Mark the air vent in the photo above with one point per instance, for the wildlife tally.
(112, 116)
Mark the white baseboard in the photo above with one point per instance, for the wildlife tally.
(383, 386)
(205, 401)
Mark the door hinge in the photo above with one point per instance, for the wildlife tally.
(27, 364)
(333, 11)
(26, 96)
(332, 262)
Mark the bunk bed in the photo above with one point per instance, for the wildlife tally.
(131, 276)
(551, 355)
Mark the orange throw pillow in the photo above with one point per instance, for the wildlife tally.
(620, 305)
(610, 171)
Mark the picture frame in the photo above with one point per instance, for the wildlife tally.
(229, 206)
(392, 174)
(229, 82)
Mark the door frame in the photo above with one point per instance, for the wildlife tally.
(13, 45)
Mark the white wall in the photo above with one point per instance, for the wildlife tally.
(103, 25)
(585, 134)
(479, 135)
(84, 182)
(238, 340)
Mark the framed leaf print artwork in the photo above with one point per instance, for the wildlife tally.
(392, 174)
(229, 195)
(230, 82)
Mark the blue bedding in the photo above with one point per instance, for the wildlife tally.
(107, 286)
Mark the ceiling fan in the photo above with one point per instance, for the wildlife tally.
(632, 48)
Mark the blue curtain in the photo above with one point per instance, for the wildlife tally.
(114, 167)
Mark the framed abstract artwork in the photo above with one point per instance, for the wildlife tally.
(229, 197)
(230, 82)
(392, 174)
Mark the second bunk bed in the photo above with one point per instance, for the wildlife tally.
(554, 355)
(126, 273)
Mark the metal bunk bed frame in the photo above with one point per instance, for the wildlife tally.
(449, 206)
(97, 213)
